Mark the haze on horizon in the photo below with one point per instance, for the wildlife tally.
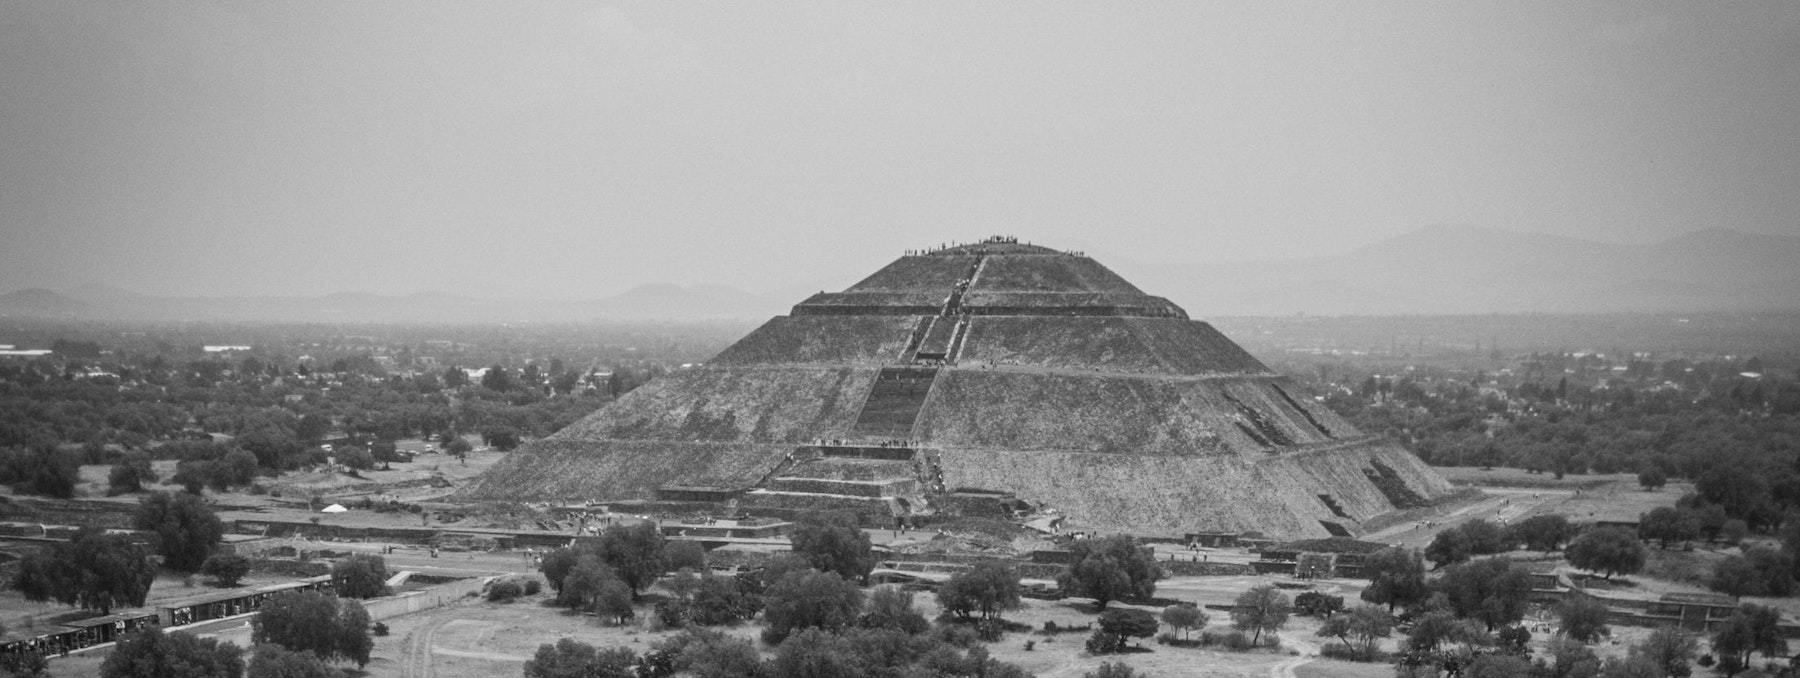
(573, 149)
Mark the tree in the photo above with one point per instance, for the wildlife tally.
(834, 546)
(361, 575)
(1113, 670)
(1544, 532)
(150, 653)
(312, 428)
(595, 587)
(1261, 609)
(274, 661)
(44, 470)
(226, 567)
(503, 438)
(1607, 550)
(1668, 524)
(557, 565)
(1396, 577)
(1652, 478)
(93, 570)
(809, 599)
(1485, 537)
(1366, 624)
(1493, 592)
(1449, 547)
(1120, 625)
(891, 607)
(309, 621)
(194, 475)
(1736, 576)
(634, 552)
(356, 458)
(1498, 666)
(460, 449)
(236, 468)
(1316, 604)
(186, 528)
(1752, 628)
(685, 555)
(1572, 659)
(1109, 569)
(1583, 619)
(1186, 617)
(1669, 648)
(723, 600)
(1438, 627)
(706, 653)
(130, 474)
(570, 658)
(989, 587)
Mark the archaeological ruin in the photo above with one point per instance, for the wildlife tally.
(979, 379)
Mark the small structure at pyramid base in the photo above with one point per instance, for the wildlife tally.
(976, 380)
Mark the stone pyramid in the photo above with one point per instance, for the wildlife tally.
(994, 370)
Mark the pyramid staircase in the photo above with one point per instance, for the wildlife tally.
(894, 403)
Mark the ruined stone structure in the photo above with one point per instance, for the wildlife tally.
(959, 378)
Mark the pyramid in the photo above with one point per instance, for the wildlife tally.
(990, 370)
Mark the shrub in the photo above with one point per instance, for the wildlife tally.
(957, 635)
(504, 591)
(1232, 640)
(1315, 604)
(379, 629)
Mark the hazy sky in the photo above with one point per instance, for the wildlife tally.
(573, 150)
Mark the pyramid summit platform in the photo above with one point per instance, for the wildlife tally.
(993, 369)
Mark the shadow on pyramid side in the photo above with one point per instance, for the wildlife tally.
(963, 379)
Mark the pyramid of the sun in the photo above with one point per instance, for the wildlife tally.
(998, 367)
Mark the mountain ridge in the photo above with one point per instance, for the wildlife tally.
(1435, 270)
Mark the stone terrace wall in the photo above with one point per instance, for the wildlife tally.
(1019, 410)
(1131, 493)
(830, 339)
(566, 468)
(936, 273)
(733, 404)
(1049, 273)
(1140, 345)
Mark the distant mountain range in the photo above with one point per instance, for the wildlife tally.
(655, 302)
(1462, 270)
(1436, 270)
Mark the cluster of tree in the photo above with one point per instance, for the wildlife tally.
(40, 469)
(1466, 619)
(101, 571)
(1608, 551)
(1676, 419)
(93, 570)
(325, 625)
(151, 652)
(281, 408)
(605, 574)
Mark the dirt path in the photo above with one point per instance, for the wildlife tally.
(416, 660)
(1285, 668)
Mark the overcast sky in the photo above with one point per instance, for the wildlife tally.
(573, 150)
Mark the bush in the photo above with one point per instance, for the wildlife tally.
(533, 587)
(1315, 604)
(1102, 642)
(227, 568)
(379, 629)
(1231, 640)
(957, 635)
(504, 591)
(1169, 638)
